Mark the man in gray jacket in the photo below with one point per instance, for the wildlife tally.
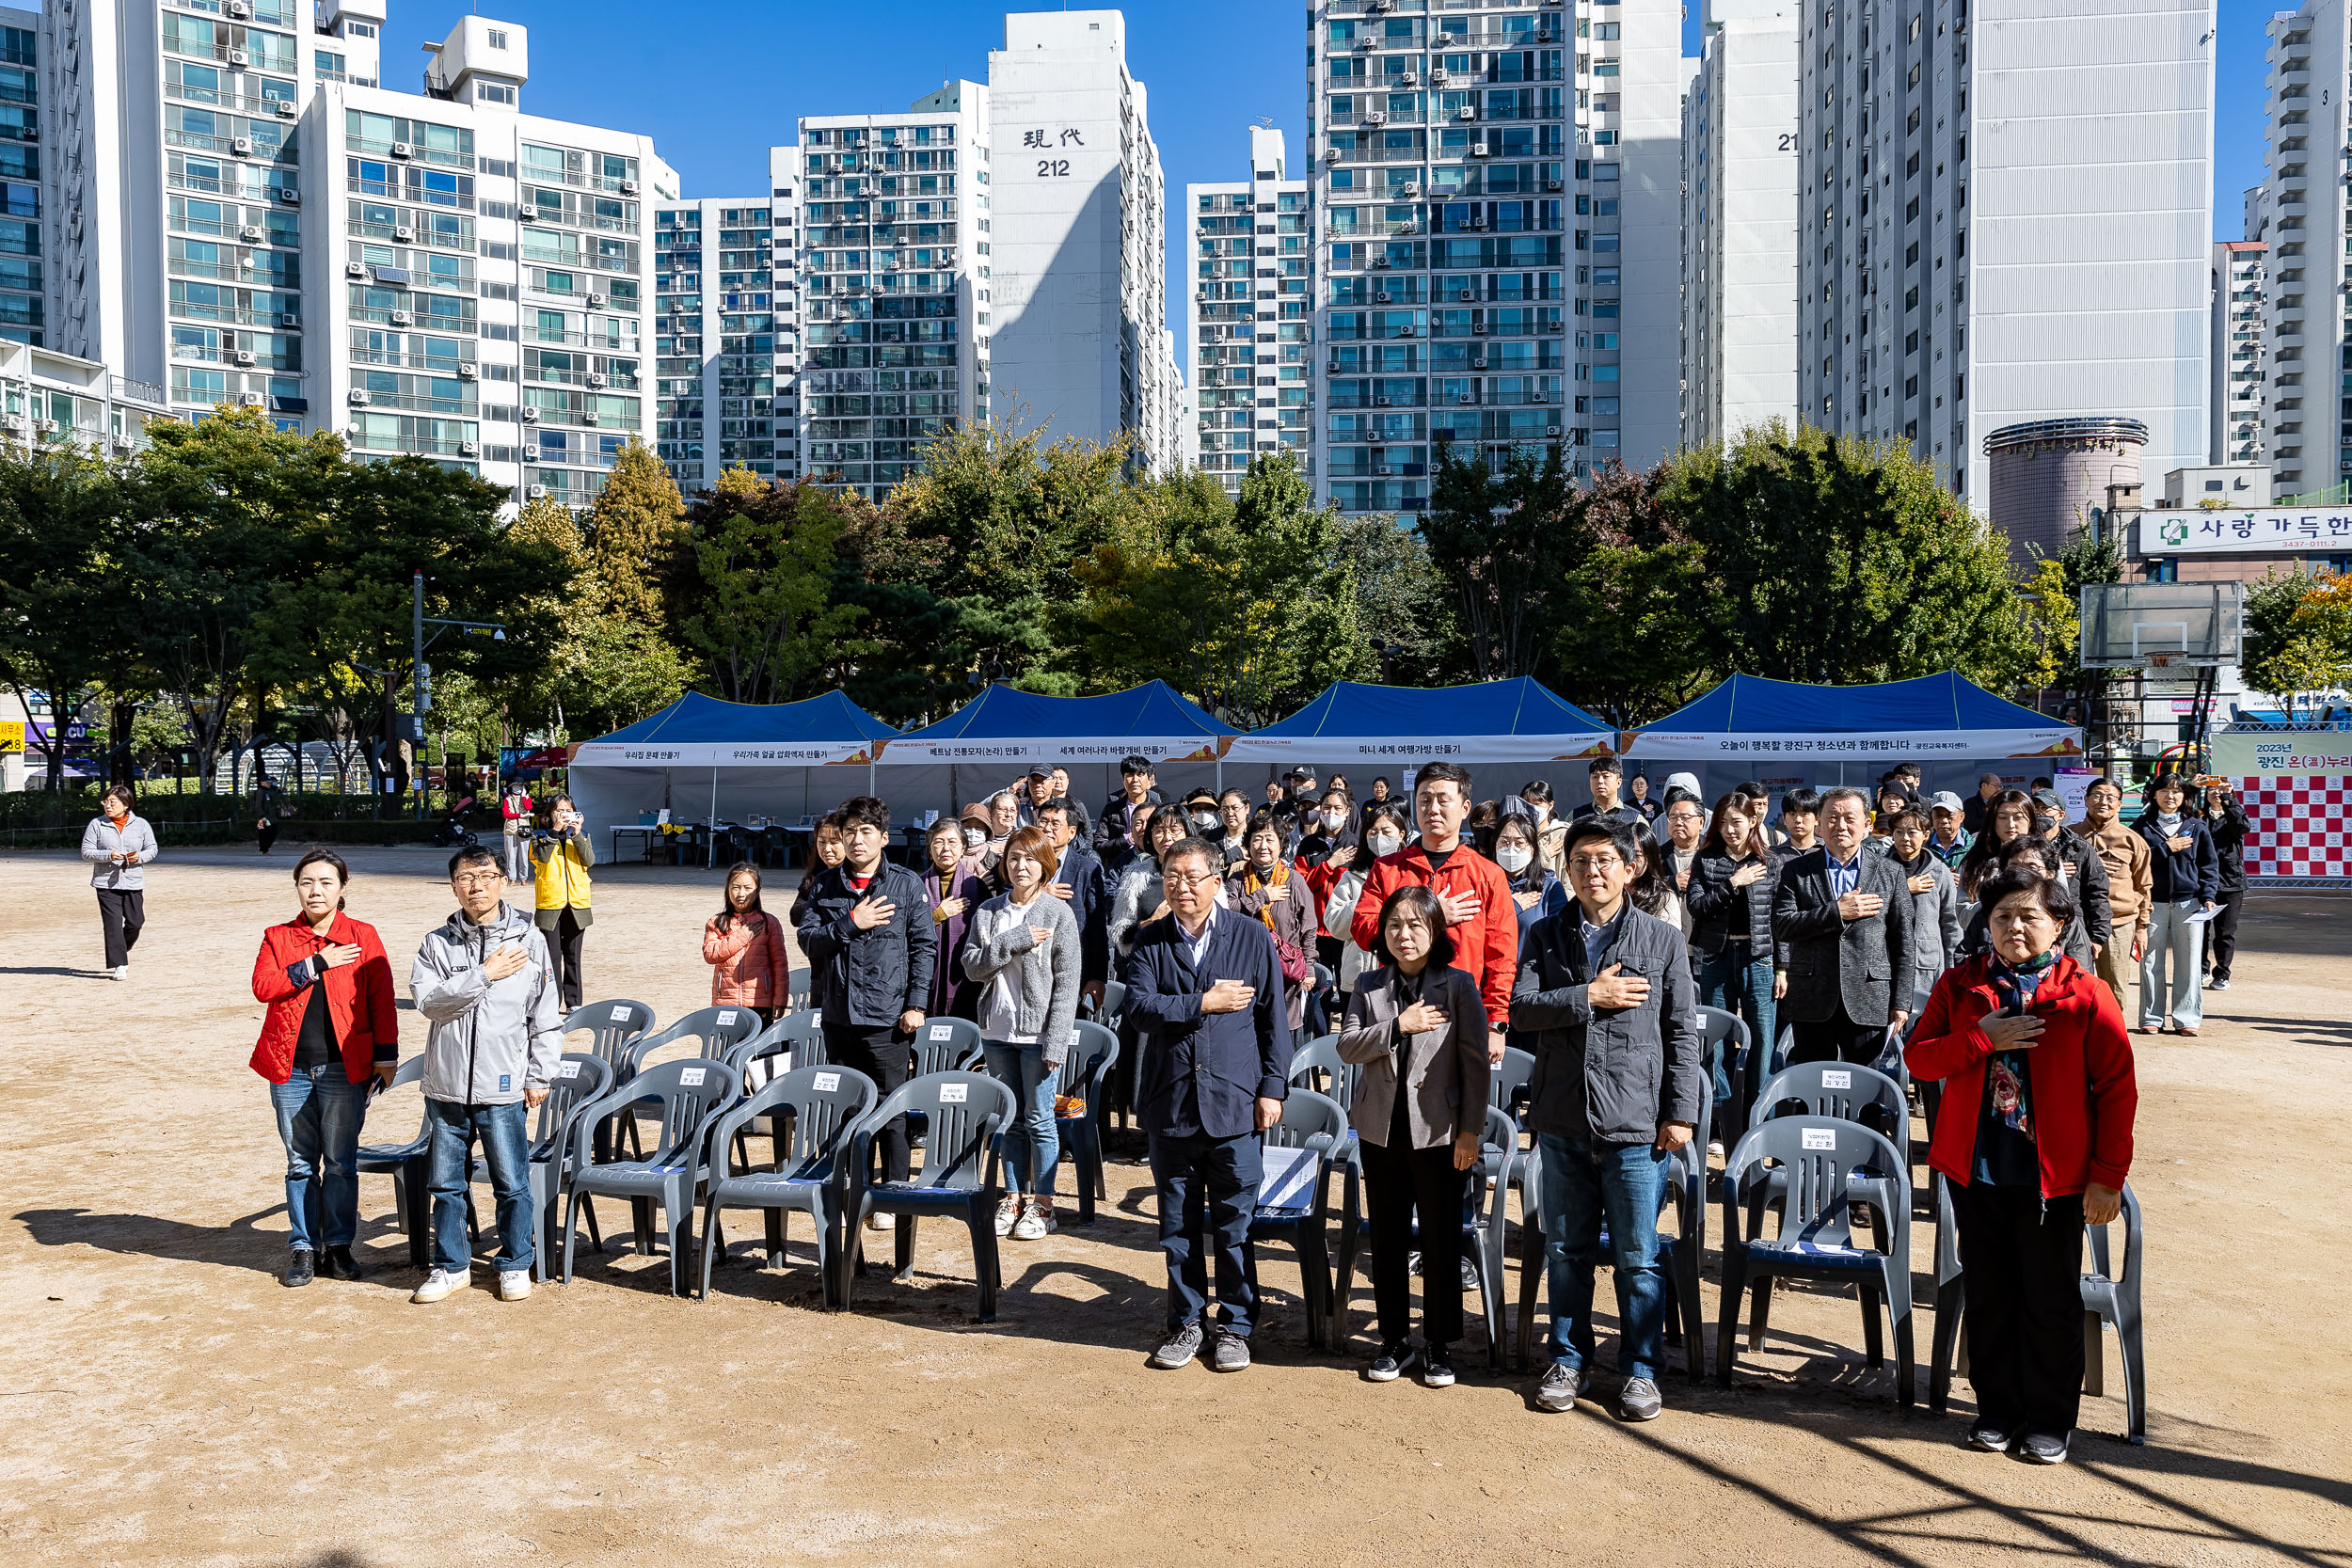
(484, 986)
(1607, 991)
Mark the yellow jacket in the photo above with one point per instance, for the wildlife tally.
(559, 875)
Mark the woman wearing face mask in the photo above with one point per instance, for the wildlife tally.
(751, 966)
(117, 846)
(1266, 887)
(331, 1034)
(1384, 834)
(1534, 888)
(952, 900)
(1325, 829)
(2033, 1136)
(1021, 952)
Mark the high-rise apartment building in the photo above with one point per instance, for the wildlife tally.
(1248, 305)
(2239, 361)
(893, 221)
(718, 308)
(1499, 233)
(1740, 222)
(2008, 211)
(1079, 344)
(22, 315)
(2299, 210)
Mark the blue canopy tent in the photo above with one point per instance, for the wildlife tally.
(1005, 725)
(1782, 730)
(1508, 720)
(757, 759)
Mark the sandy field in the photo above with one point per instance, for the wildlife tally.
(164, 1401)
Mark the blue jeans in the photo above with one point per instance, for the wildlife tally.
(1728, 984)
(319, 1110)
(505, 1134)
(1583, 1182)
(1207, 1192)
(1032, 1145)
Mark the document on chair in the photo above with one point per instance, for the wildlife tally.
(1287, 1179)
(2201, 917)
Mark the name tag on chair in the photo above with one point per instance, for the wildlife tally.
(954, 1094)
(692, 1078)
(940, 1032)
(567, 1070)
(1287, 1179)
(1835, 1079)
(827, 1081)
(620, 1010)
(726, 1017)
(1819, 1137)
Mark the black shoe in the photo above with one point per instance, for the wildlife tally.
(1389, 1365)
(1228, 1352)
(1436, 1367)
(340, 1264)
(1178, 1348)
(300, 1268)
(2044, 1448)
(1991, 1437)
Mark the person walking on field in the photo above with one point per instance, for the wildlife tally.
(117, 846)
(483, 982)
(332, 1032)
(560, 860)
(269, 804)
(751, 964)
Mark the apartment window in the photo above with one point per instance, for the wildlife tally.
(359, 30)
(498, 38)
(490, 92)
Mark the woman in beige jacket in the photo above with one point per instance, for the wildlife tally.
(1418, 1026)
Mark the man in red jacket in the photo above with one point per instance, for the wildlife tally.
(1480, 914)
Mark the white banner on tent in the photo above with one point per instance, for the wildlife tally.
(1892, 745)
(1465, 749)
(598, 753)
(908, 752)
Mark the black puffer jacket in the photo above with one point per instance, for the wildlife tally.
(1720, 911)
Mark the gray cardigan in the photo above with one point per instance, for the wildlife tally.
(100, 841)
(997, 938)
(1448, 1069)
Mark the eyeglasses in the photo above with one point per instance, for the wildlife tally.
(485, 878)
(1593, 862)
(1192, 880)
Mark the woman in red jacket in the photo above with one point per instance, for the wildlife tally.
(332, 1032)
(2034, 1138)
(750, 965)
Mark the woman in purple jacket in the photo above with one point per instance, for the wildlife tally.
(953, 899)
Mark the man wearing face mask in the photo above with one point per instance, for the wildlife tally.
(1201, 813)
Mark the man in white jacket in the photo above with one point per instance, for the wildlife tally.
(485, 986)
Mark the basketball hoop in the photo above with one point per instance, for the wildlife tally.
(2164, 660)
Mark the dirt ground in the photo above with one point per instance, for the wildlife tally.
(163, 1400)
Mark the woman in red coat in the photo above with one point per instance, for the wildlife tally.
(331, 1033)
(750, 965)
(2033, 1136)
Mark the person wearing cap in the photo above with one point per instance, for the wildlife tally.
(2125, 856)
(1078, 818)
(1033, 787)
(1604, 777)
(1947, 841)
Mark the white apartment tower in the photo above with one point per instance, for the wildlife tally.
(2299, 212)
(718, 309)
(892, 219)
(1499, 229)
(1079, 344)
(1247, 315)
(2239, 361)
(1740, 222)
(22, 315)
(2008, 211)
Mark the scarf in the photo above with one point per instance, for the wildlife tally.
(1254, 879)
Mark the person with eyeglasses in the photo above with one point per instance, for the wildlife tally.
(483, 983)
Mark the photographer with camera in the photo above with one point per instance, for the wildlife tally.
(561, 854)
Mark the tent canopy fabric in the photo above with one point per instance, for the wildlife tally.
(1933, 716)
(703, 731)
(1506, 721)
(1003, 724)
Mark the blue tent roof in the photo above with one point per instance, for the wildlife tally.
(1508, 720)
(1005, 724)
(705, 731)
(1945, 714)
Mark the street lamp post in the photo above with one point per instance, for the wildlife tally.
(421, 672)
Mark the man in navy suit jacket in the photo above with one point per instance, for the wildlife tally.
(1204, 990)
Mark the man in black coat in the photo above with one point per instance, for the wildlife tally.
(867, 927)
(1204, 990)
(1115, 820)
(1079, 881)
(1844, 914)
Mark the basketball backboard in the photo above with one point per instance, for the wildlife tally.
(2132, 625)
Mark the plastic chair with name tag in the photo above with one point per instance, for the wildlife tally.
(689, 1096)
(814, 1110)
(1295, 1158)
(962, 1115)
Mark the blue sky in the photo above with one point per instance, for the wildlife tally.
(730, 78)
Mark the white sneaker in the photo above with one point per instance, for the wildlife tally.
(1714, 1148)
(121, 971)
(1008, 1212)
(440, 1283)
(1030, 1226)
(882, 1222)
(514, 1284)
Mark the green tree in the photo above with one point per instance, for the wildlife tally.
(2053, 621)
(596, 670)
(1637, 639)
(764, 565)
(1502, 544)
(1402, 609)
(2298, 636)
(67, 608)
(636, 536)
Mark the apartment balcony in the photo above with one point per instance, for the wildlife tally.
(411, 152)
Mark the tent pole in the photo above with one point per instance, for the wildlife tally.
(711, 850)
(1220, 777)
